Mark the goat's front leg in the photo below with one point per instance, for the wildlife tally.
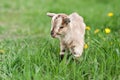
(62, 50)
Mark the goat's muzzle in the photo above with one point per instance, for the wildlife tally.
(53, 34)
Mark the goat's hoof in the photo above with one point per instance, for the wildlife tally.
(61, 57)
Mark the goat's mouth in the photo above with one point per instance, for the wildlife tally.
(55, 35)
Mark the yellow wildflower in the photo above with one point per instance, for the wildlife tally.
(96, 31)
(2, 51)
(110, 14)
(88, 28)
(86, 46)
(107, 30)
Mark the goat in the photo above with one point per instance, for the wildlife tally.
(70, 30)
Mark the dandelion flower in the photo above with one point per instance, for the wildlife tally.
(110, 14)
(2, 51)
(86, 46)
(107, 30)
(96, 31)
(88, 28)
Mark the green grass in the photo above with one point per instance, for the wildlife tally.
(27, 52)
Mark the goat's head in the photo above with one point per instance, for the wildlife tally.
(59, 24)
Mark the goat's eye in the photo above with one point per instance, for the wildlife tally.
(61, 27)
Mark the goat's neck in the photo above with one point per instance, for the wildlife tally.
(68, 36)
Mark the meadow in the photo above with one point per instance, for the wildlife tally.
(27, 51)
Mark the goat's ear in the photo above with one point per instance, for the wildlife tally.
(66, 20)
(51, 14)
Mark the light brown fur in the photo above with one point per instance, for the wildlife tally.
(70, 30)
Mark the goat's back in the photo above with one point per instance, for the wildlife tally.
(77, 23)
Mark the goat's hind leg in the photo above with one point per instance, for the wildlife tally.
(77, 51)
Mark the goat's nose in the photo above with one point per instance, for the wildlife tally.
(53, 34)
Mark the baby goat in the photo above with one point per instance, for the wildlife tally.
(70, 30)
